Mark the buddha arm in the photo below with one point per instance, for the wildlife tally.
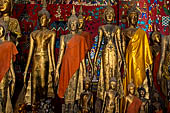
(123, 43)
(125, 107)
(29, 57)
(60, 57)
(163, 50)
(98, 49)
(90, 62)
(52, 44)
(117, 104)
(13, 77)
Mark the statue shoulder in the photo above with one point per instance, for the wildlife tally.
(14, 20)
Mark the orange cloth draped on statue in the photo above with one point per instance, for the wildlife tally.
(88, 38)
(74, 54)
(134, 106)
(8, 50)
(138, 58)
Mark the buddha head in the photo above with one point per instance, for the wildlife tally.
(109, 14)
(132, 16)
(156, 36)
(131, 88)
(142, 92)
(6, 6)
(87, 82)
(81, 19)
(113, 83)
(73, 21)
(44, 16)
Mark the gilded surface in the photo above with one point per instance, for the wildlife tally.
(138, 54)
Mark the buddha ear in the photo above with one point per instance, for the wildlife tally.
(127, 18)
(49, 20)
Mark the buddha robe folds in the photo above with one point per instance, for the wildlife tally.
(138, 58)
(72, 68)
(134, 106)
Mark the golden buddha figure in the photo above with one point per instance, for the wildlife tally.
(137, 52)
(87, 37)
(13, 27)
(111, 98)
(132, 103)
(86, 98)
(7, 75)
(112, 55)
(71, 59)
(163, 74)
(42, 43)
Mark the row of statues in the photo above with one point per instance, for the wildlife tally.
(128, 49)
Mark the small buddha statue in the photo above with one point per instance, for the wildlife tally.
(13, 27)
(86, 98)
(145, 102)
(111, 98)
(132, 102)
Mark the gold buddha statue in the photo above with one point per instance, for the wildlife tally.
(111, 98)
(13, 27)
(71, 59)
(41, 51)
(112, 55)
(7, 75)
(163, 74)
(87, 37)
(137, 52)
(86, 98)
(132, 103)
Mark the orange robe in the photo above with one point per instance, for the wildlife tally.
(138, 58)
(74, 54)
(8, 50)
(134, 106)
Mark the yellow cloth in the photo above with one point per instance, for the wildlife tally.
(138, 58)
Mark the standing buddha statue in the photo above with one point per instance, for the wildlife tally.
(7, 75)
(71, 59)
(137, 52)
(87, 37)
(42, 43)
(13, 27)
(164, 66)
(112, 55)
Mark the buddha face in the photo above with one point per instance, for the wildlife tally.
(73, 25)
(87, 85)
(113, 85)
(81, 23)
(1, 31)
(133, 18)
(142, 93)
(157, 38)
(43, 20)
(132, 90)
(5, 5)
(109, 16)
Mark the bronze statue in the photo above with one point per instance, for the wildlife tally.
(71, 75)
(111, 98)
(145, 102)
(87, 37)
(42, 51)
(7, 75)
(13, 27)
(164, 66)
(86, 98)
(132, 103)
(137, 52)
(112, 55)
